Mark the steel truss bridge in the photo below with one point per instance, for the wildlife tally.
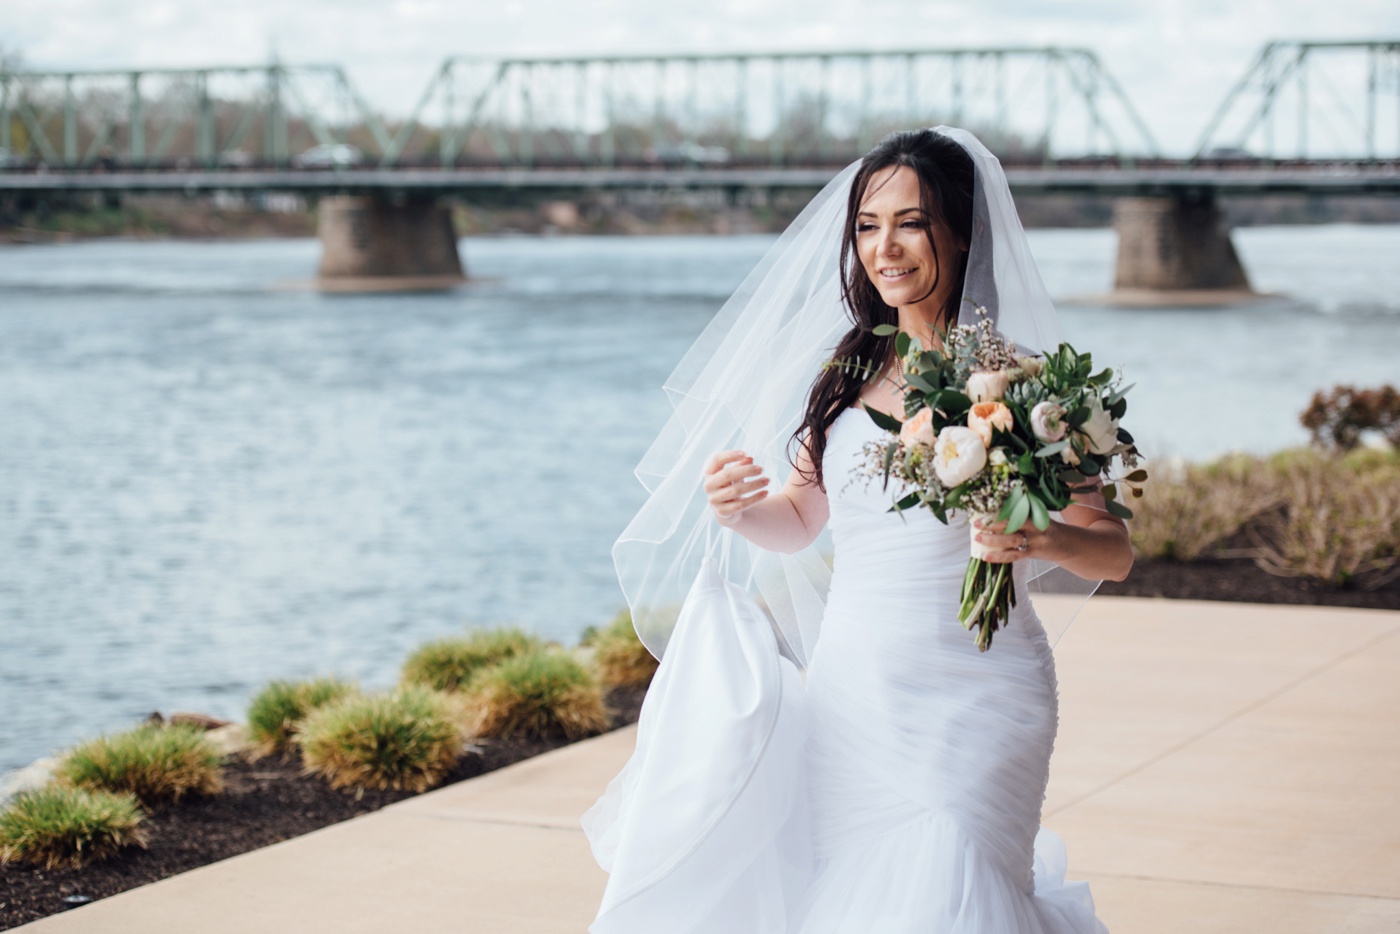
(1305, 117)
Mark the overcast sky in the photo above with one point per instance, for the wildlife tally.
(1175, 58)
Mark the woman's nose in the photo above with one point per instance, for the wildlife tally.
(889, 246)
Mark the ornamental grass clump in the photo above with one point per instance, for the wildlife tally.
(157, 763)
(57, 827)
(407, 739)
(621, 659)
(277, 710)
(1339, 522)
(450, 664)
(1187, 511)
(546, 693)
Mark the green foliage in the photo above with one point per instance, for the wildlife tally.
(545, 693)
(276, 710)
(156, 763)
(450, 664)
(406, 739)
(58, 827)
(621, 658)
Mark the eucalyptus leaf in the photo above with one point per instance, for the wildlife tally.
(887, 422)
(1118, 509)
(885, 330)
(901, 344)
(1053, 448)
(1019, 512)
(1040, 516)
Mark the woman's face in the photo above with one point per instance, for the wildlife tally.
(893, 244)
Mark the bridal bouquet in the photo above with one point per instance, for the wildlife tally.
(1003, 437)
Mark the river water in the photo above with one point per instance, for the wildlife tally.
(210, 478)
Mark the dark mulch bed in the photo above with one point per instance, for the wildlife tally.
(1240, 579)
(263, 802)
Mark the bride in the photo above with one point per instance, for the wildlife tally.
(825, 750)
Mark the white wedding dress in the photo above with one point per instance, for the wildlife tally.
(898, 789)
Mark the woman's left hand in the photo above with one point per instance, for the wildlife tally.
(993, 535)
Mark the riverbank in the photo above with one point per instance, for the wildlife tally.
(646, 212)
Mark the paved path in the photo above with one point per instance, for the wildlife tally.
(1220, 768)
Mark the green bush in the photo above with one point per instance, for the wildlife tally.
(621, 658)
(67, 828)
(449, 664)
(154, 762)
(276, 710)
(406, 739)
(546, 693)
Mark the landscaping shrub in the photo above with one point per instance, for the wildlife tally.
(57, 827)
(1338, 523)
(154, 762)
(1338, 418)
(621, 658)
(276, 710)
(1184, 513)
(406, 739)
(449, 664)
(546, 693)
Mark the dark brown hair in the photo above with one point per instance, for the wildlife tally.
(946, 175)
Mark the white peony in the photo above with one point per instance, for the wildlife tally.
(987, 385)
(1101, 430)
(958, 455)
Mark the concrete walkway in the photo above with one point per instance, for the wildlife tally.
(1220, 768)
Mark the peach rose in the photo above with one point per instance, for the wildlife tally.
(918, 429)
(984, 416)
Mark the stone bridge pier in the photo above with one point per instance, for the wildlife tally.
(1176, 247)
(374, 243)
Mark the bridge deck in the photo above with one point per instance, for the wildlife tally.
(1322, 178)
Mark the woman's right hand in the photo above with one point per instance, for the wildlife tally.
(733, 483)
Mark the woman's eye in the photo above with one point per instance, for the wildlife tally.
(913, 225)
(860, 228)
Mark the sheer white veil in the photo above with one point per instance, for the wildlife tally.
(744, 384)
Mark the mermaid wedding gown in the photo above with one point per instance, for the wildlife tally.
(897, 790)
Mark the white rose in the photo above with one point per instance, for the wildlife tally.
(1032, 365)
(958, 454)
(1101, 430)
(987, 385)
(1048, 421)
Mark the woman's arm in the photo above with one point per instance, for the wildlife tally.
(788, 521)
(1090, 542)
